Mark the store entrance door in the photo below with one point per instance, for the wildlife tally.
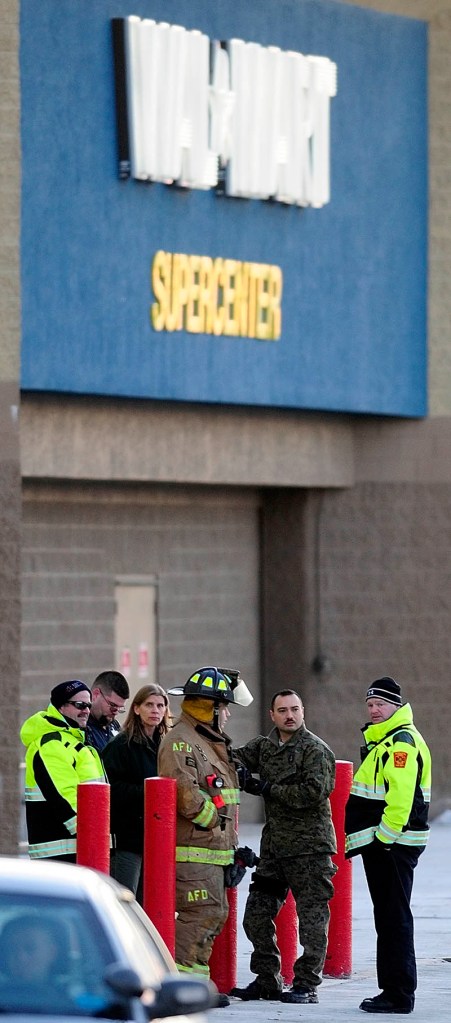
(136, 630)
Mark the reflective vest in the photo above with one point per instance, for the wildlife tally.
(391, 790)
(56, 760)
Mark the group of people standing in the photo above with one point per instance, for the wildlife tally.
(77, 738)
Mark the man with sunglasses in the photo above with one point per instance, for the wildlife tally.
(56, 761)
(109, 693)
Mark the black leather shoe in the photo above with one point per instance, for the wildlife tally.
(300, 995)
(381, 1003)
(254, 991)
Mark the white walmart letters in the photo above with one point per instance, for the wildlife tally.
(255, 118)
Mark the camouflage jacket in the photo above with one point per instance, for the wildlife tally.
(301, 771)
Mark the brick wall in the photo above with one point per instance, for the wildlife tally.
(202, 547)
(363, 577)
(9, 401)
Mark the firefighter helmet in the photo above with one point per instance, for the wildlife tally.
(223, 685)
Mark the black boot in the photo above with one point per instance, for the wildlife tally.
(300, 995)
(254, 991)
(382, 1003)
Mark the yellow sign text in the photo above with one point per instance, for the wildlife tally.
(216, 296)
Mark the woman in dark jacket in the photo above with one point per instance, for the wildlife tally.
(129, 758)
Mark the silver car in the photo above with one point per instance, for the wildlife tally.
(75, 943)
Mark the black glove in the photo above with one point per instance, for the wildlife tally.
(245, 855)
(257, 787)
(233, 874)
(243, 774)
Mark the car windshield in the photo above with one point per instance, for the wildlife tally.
(53, 956)
(142, 948)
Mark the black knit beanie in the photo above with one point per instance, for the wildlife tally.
(64, 691)
(385, 689)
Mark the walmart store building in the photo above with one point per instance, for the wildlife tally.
(225, 365)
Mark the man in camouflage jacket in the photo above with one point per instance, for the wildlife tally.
(296, 776)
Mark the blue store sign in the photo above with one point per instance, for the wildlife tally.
(225, 203)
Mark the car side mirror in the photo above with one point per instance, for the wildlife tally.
(123, 981)
(176, 996)
(181, 996)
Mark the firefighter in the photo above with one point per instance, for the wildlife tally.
(198, 754)
(386, 822)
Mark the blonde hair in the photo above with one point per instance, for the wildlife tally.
(132, 726)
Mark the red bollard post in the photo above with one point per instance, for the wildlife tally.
(287, 937)
(223, 959)
(93, 825)
(224, 955)
(160, 795)
(339, 949)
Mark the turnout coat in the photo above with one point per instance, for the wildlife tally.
(198, 757)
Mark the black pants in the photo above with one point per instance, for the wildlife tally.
(389, 874)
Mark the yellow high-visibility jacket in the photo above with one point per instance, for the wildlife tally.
(56, 760)
(391, 790)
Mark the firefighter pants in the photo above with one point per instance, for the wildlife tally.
(310, 880)
(389, 875)
(202, 910)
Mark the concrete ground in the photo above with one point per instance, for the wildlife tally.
(339, 999)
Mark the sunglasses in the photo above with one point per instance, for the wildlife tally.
(79, 704)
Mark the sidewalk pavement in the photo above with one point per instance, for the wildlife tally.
(339, 999)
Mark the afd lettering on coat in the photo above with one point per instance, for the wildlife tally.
(182, 747)
(199, 894)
